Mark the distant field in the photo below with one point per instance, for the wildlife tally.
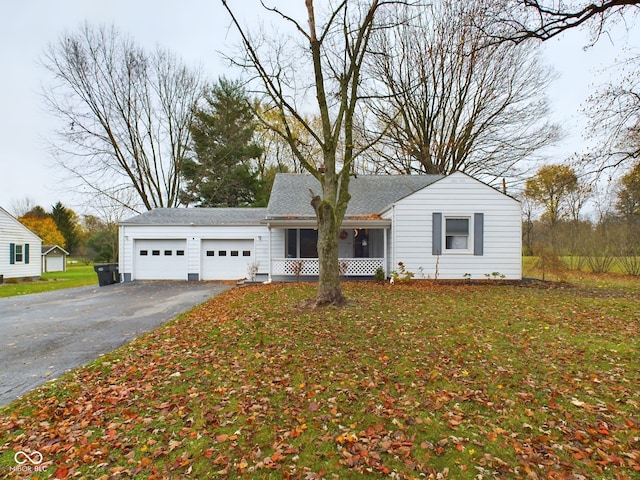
(75, 276)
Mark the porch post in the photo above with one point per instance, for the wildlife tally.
(270, 260)
(384, 252)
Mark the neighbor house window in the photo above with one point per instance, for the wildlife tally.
(457, 233)
(19, 257)
(18, 253)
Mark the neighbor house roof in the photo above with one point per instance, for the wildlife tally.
(199, 216)
(46, 249)
(370, 194)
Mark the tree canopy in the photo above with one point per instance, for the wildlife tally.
(125, 116)
(443, 103)
(521, 20)
(220, 173)
(68, 224)
(45, 228)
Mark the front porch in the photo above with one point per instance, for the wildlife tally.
(304, 267)
(293, 252)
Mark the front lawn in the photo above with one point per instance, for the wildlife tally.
(424, 380)
(79, 275)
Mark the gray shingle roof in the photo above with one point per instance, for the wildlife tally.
(199, 216)
(370, 194)
(290, 198)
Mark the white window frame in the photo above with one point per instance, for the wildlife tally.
(455, 251)
(18, 253)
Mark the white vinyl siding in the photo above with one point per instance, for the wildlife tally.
(193, 238)
(457, 196)
(13, 232)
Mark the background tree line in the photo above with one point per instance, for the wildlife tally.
(557, 230)
(87, 237)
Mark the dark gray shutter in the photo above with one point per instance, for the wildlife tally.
(478, 234)
(12, 253)
(26, 253)
(436, 234)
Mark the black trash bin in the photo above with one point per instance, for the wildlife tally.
(107, 273)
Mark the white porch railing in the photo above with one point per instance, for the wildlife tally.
(350, 267)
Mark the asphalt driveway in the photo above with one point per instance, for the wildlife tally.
(47, 334)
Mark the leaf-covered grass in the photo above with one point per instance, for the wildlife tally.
(75, 276)
(424, 380)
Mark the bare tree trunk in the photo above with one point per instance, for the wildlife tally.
(337, 49)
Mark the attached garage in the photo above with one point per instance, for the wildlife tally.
(226, 259)
(194, 244)
(160, 260)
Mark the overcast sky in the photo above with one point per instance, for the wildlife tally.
(196, 30)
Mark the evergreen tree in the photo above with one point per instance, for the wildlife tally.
(221, 174)
(67, 222)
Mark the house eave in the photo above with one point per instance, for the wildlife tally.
(313, 223)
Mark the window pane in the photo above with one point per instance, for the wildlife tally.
(457, 226)
(180, 253)
(144, 253)
(456, 242)
(234, 253)
(246, 253)
(308, 243)
(168, 253)
(222, 253)
(210, 253)
(292, 243)
(155, 253)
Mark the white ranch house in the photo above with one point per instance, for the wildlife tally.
(19, 249)
(451, 227)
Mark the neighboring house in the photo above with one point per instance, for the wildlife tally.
(54, 258)
(19, 249)
(451, 227)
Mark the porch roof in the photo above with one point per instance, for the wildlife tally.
(371, 195)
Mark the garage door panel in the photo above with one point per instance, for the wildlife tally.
(160, 260)
(226, 259)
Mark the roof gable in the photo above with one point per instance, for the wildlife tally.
(473, 179)
(370, 194)
(47, 249)
(18, 224)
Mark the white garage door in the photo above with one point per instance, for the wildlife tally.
(54, 263)
(160, 260)
(226, 259)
